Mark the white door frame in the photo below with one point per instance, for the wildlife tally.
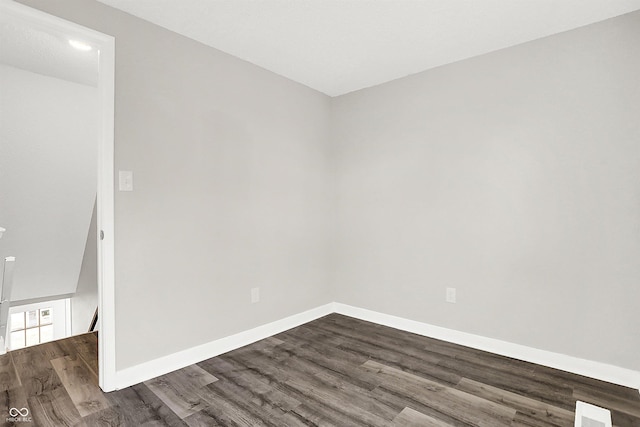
(105, 185)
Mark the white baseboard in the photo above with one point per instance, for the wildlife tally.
(587, 368)
(163, 365)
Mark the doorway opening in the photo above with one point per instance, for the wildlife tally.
(39, 49)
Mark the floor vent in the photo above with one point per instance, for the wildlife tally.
(591, 416)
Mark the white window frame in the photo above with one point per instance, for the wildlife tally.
(61, 317)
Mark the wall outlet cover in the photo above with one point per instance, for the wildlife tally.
(255, 295)
(451, 295)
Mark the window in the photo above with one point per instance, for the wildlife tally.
(31, 327)
(38, 323)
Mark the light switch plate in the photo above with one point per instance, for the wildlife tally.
(125, 180)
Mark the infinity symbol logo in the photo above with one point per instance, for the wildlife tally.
(14, 412)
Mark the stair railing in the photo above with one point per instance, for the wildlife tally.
(5, 301)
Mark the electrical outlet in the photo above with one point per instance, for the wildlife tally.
(255, 295)
(451, 295)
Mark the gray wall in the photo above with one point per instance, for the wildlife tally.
(229, 166)
(85, 300)
(513, 177)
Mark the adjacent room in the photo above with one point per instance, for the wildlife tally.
(48, 168)
(320, 212)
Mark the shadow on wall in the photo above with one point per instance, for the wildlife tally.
(85, 300)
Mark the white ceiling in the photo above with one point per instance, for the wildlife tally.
(338, 46)
(32, 49)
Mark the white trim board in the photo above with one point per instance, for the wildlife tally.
(587, 368)
(163, 365)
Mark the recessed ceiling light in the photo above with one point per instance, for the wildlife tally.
(80, 45)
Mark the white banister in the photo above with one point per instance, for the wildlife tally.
(5, 301)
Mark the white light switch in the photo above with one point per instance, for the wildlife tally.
(126, 181)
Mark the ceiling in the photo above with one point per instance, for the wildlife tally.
(32, 49)
(339, 46)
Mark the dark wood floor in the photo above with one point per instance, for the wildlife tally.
(335, 371)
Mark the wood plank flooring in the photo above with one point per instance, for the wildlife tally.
(335, 371)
